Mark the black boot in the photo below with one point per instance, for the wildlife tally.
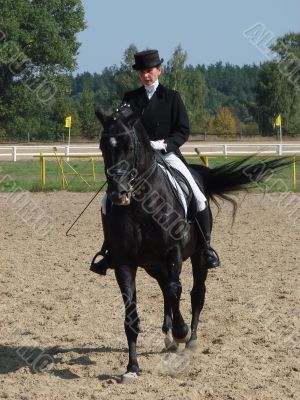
(100, 267)
(209, 255)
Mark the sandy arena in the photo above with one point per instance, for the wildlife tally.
(61, 326)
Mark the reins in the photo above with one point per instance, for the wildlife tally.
(144, 176)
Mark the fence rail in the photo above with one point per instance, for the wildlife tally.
(190, 149)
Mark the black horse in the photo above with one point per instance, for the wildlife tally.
(147, 227)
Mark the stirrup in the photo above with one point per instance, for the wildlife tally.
(210, 258)
(101, 266)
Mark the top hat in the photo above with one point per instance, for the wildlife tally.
(147, 59)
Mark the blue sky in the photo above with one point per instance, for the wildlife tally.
(209, 31)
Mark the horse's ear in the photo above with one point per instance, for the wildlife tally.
(100, 113)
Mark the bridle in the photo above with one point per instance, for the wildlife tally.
(135, 179)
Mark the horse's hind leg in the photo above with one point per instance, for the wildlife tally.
(125, 276)
(197, 296)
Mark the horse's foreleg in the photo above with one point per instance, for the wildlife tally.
(125, 276)
(160, 273)
(197, 296)
(180, 330)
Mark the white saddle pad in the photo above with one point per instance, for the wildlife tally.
(177, 188)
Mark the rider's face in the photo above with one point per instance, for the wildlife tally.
(149, 76)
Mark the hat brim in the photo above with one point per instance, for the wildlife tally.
(138, 67)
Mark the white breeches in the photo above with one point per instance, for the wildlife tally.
(175, 162)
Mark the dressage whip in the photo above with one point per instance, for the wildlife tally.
(82, 212)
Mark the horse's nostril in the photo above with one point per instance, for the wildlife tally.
(119, 195)
(120, 198)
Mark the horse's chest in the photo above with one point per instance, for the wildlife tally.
(136, 240)
(135, 234)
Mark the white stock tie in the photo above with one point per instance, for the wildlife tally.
(150, 92)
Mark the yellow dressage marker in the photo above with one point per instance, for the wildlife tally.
(62, 161)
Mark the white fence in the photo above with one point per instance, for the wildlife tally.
(15, 153)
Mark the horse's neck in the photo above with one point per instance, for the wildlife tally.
(146, 161)
(145, 154)
(151, 189)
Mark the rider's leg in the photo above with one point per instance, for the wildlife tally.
(101, 266)
(210, 256)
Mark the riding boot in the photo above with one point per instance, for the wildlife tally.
(100, 267)
(210, 257)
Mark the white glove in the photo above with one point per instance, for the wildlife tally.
(158, 144)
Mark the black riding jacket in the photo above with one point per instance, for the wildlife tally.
(164, 116)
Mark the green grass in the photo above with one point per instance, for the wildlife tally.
(25, 175)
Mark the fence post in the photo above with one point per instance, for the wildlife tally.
(225, 150)
(14, 153)
(68, 153)
(280, 149)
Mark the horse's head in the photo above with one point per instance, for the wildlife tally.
(120, 148)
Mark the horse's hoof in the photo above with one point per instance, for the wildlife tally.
(192, 345)
(129, 377)
(184, 339)
(168, 339)
(170, 343)
(173, 347)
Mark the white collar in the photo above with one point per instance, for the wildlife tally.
(150, 89)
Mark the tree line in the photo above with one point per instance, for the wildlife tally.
(215, 96)
(38, 87)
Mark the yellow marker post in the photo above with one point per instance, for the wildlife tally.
(294, 175)
(204, 159)
(93, 171)
(278, 120)
(64, 181)
(43, 170)
(278, 123)
(68, 124)
(60, 162)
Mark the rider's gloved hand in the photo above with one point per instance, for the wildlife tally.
(158, 144)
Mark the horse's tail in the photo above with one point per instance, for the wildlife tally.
(239, 175)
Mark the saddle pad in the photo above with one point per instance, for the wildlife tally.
(177, 187)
